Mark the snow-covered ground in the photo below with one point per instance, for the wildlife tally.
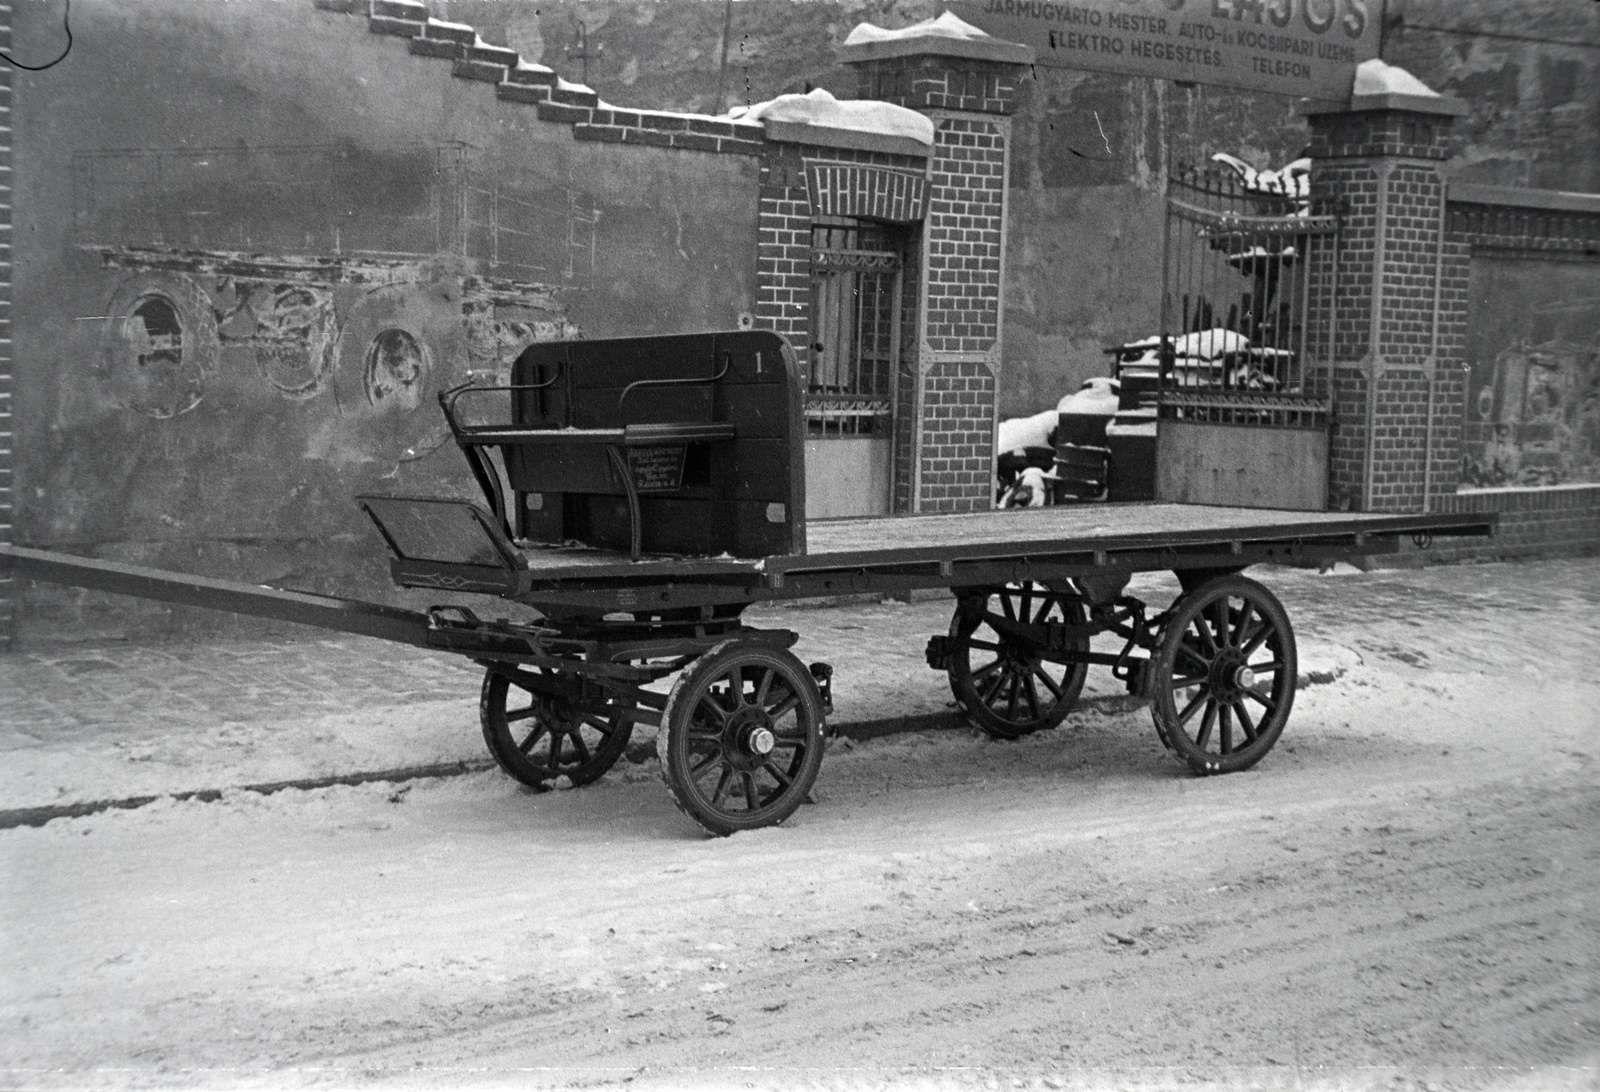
(1402, 895)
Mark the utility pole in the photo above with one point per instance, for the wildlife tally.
(722, 67)
(583, 52)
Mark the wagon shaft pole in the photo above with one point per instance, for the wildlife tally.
(257, 600)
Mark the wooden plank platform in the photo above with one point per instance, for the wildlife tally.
(1006, 533)
(1022, 531)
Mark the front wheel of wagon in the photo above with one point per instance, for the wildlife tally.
(1008, 686)
(537, 737)
(741, 737)
(1223, 679)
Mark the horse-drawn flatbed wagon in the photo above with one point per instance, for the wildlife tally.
(639, 494)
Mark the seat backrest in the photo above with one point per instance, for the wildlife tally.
(714, 443)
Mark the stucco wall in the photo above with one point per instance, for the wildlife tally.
(1528, 72)
(296, 185)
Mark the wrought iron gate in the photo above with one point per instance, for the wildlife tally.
(1238, 338)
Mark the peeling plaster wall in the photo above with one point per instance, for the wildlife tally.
(248, 268)
(1529, 72)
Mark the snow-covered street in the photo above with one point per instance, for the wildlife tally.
(1403, 894)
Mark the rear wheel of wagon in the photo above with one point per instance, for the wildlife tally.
(1006, 684)
(537, 737)
(1223, 678)
(741, 737)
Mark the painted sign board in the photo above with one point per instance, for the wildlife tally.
(1306, 48)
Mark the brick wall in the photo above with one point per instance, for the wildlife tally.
(908, 412)
(961, 267)
(800, 182)
(1379, 134)
(966, 217)
(1387, 310)
(7, 504)
(1551, 521)
(957, 438)
(969, 99)
(783, 252)
(933, 82)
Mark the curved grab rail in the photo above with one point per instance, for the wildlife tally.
(727, 362)
(448, 398)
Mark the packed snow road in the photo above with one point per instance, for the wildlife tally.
(1403, 894)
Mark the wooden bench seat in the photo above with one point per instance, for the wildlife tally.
(685, 444)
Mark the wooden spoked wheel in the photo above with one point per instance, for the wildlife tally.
(741, 737)
(537, 737)
(1006, 684)
(1223, 678)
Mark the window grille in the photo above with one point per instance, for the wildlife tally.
(855, 309)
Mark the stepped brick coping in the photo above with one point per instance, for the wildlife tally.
(1443, 105)
(827, 136)
(1470, 193)
(525, 73)
(452, 32)
(938, 45)
(557, 100)
(1530, 491)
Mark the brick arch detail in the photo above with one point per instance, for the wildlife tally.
(859, 191)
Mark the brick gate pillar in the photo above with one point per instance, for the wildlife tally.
(1388, 301)
(951, 371)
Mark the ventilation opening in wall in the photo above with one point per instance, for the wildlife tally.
(153, 369)
(158, 343)
(154, 332)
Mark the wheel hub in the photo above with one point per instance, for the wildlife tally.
(558, 715)
(1230, 675)
(1018, 658)
(749, 738)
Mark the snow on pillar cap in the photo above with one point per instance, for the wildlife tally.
(818, 118)
(946, 36)
(1379, 85)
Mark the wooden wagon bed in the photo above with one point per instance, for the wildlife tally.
(455, 545)
(1010, 533)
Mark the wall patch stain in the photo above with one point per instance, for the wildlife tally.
(1542, 406)
(158, 344)
(295, 336)
(397, 368)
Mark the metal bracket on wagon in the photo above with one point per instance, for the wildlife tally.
(823, 675)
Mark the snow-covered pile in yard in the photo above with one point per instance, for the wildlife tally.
(1097, 396)
(1210, 344)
